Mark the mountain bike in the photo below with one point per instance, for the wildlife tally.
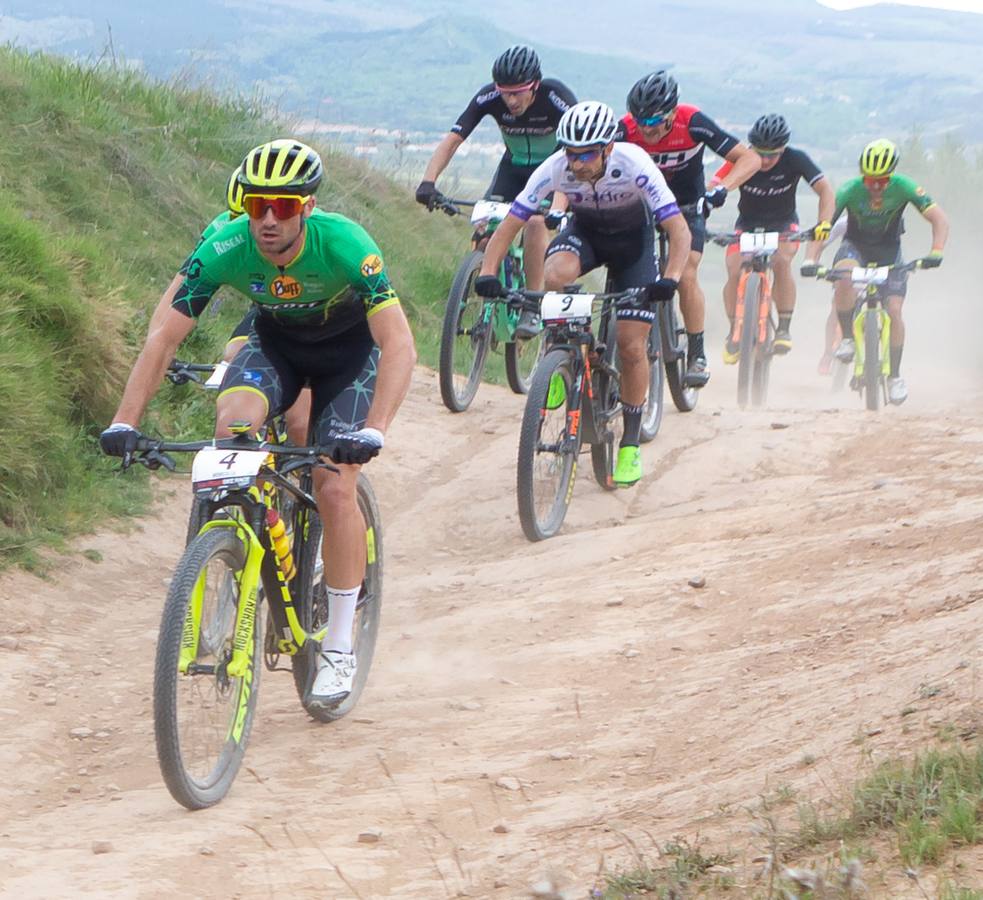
(574, 399)
(206, 672)
(754, 314)
(473, 326)
(871, 327)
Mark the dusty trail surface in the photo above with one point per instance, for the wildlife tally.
(579, 694)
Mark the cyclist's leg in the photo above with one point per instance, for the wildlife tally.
(732, 260)
(784, 294)
(258, 384)
(569, 256)
(239, 335)
(508, 183)
(692, 304)
(896, 290)
(848, 256)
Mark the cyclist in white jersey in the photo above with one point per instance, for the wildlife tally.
(617, 197)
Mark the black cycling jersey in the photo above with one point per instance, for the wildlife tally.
(768, 198)
(529, 138)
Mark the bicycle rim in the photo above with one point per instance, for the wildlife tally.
(202, 715)
(674, 357)
(547, 459)
(762, 367)
(745, 365)
(465, 338)
(655, 401)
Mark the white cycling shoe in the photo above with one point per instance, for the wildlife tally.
(334, 679)
(844, 353)
(897, 391)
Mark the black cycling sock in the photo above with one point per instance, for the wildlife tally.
(695, 344)
(784, 321)
(846, 322)
(896, 360)
(632, 416)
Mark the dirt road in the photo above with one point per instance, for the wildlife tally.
(533, 707)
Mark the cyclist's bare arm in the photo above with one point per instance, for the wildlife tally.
(746, 162)
(561, 202)
(164, 304)
(940, 226)
(679, 243)
(498, 246)
(397, 356)
(442, 155)
(827, 205)
(148, 371)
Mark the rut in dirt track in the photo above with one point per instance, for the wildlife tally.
(532, 706)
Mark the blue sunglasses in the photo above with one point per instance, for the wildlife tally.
(653, 120)
(586, 156)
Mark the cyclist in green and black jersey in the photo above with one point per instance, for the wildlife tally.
(875, 203)
(527, 109)
(324, 304)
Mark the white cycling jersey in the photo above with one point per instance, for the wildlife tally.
(631, 192)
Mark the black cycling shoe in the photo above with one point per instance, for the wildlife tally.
(782, 342)
(697, 373)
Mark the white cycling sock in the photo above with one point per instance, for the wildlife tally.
(341, 618)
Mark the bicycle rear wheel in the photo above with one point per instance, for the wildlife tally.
(762, 366)
(745, 367)
(608, 422)
(202, 715)
(655, 401)
(873, 379)
(520, 362)
(465, 338)
(674, 357)
(312, 607)
(547, 459)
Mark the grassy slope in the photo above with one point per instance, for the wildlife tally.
(105, 181)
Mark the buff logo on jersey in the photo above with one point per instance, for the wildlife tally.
(371, 265)
(286, 287)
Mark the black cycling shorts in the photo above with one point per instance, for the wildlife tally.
(509, 180)
(241, 331)
(630, 256)
(697, 228)
(340, 370)
(877, 255)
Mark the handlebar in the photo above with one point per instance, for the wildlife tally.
(530, 300)
(449, 205)
(179, 372)
(153, 452)
(729, 238)
(825, 273)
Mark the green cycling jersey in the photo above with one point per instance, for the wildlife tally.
(336, 280)
(879, 224)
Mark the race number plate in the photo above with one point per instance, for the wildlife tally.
(872, 275)
(556, 307)
(489, 210)
(215, 468)
(757, 242)
(215, 379)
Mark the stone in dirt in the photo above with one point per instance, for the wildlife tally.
(617, 601)
(370, 836)
(9, 643)
(81, 733)
(100, 847)
(509, 783)
(697, 581)
(559, 755)
(501, 828)
(206, 851)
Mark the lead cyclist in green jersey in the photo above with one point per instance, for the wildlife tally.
(875, 203)
(324, 303)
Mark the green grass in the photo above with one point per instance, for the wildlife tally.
(685, 870)
(107, 180)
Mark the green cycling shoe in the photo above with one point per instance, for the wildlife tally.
(557, 394)
(629, 466)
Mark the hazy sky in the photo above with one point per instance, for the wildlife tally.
(975, 6)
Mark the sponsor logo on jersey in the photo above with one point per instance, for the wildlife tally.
(285, 286)
(677, 158)
(371, 265)
(558, 101)
(251, 376)
(642, 180)
(486, 98)
(221, 247)
(257, 287)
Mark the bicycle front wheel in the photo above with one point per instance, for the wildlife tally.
(465, 338)
(655, 401)
(745, 368)
(202, 714)
(674, 357)
(608, 420)
(872, 360)
(312, 606)
(520, 362)
(547, 461)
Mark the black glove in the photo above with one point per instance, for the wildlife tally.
(809, 269)
(716, 196)
(353, 448)
(426, 194)
(663, 289)
(933, 260)
(119, 439)
(554, 220)
(488, 286)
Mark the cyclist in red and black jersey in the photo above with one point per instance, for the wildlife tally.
(674, 135)
(527, 109)
(768, 202)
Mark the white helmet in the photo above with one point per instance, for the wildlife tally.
(586, 124)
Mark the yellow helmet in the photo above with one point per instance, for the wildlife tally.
(233, 195)
(284, 166)
(879, 158)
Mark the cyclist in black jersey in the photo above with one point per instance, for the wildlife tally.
(767, 202)
(527, 109)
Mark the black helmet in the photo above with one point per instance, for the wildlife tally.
(770, 132)
(517, 65)
(653, 95)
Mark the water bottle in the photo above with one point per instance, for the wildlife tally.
(281, 542)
